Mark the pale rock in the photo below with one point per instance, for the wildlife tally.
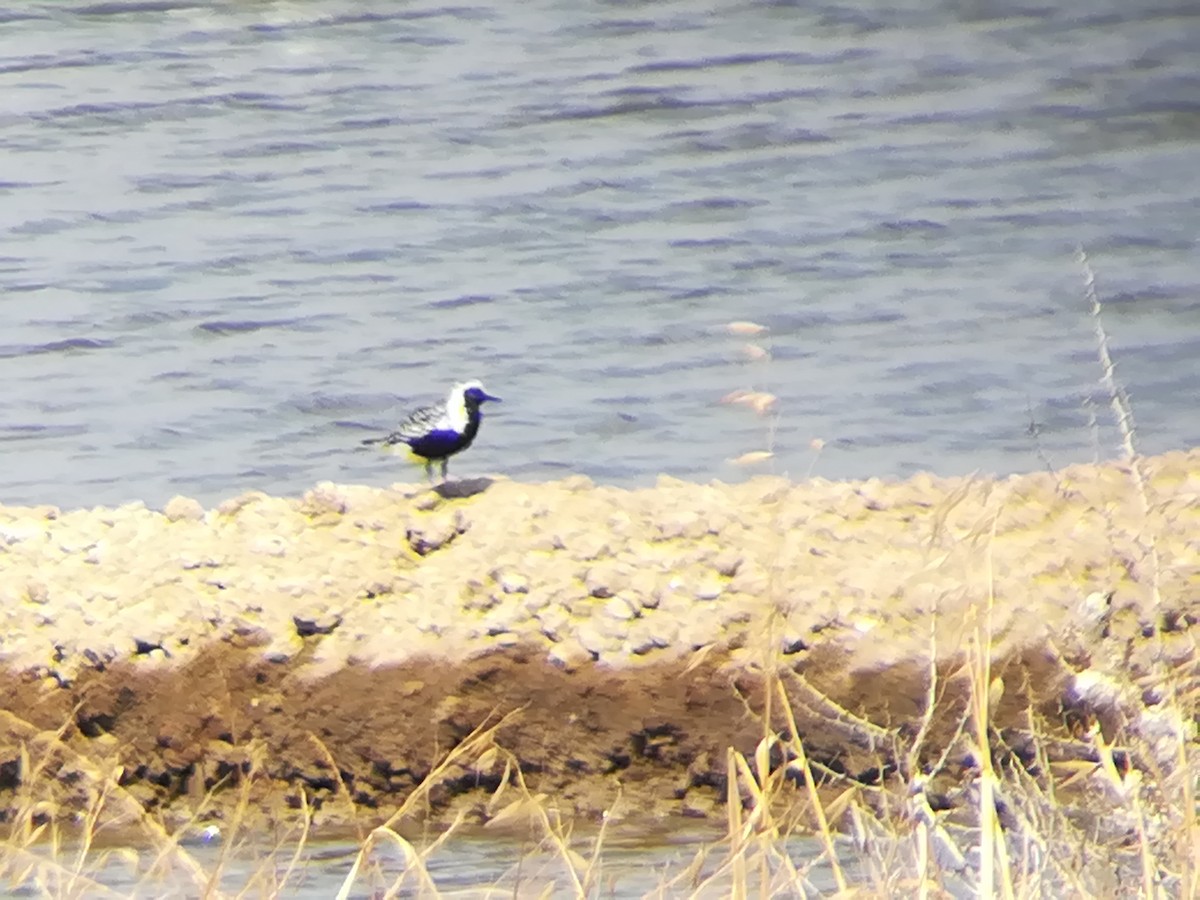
(670, 482)
(503, 618)
(317, 621)
(646, 635)
(535, 602)
(605, 579)
(555, 622)
(728, 562)
(588, 546)
(621, 608)
(690, 634)
(620, 524)
(427, 501)
(769, 489)
(434, 532)
(326, 497)
(544, 542)
(577, 483)
(70, 544)
(681, 524)
(594, 640)
(268, 545)
(477, 597)
(183, 509)
(643, 583)
(664, 631)
(201, 561)
(671, 596)
(570, 654)
(709, 588)
(717, 521)
(750, 579)
(615, 629)
(235, 505)
(512, 582)
(17, 532)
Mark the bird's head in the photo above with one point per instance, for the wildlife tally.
(473, 394)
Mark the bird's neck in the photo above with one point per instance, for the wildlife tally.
(473, 419)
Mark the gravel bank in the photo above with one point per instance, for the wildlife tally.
(631, 627)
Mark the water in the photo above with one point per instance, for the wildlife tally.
(239, 237)
(653, 865)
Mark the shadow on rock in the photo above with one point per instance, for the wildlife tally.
(463, 488)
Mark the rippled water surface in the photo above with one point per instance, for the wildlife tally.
(236, 236)
(468, 867)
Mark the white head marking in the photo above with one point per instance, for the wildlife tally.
(456, 405)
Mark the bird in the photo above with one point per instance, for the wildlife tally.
(435, 433)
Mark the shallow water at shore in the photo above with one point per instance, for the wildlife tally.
(237, 235)
(469, 866)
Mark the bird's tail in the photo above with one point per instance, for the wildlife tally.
(373, 440)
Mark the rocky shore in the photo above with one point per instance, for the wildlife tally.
(340, 643)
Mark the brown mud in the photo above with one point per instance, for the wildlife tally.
(327, 652)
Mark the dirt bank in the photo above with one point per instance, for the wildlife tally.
(337, 645)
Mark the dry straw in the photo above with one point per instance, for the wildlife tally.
(757, 358)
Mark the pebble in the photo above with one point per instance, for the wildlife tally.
(569, 654)
(323, 499)
(513, 583)
(594, 640)
(683, 525)
(427, 501)
(269, 545)
(710, 588)
(588, 546)
(536, 601)
(235, 505)
(11, 534)
(554, 622)
(183, 509)
(728, 562)
(434, 533)
(605, 579)
(646, 636)
(621, 608)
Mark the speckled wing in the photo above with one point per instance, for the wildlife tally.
(418, 424)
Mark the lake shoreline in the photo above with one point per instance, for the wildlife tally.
(272, 656)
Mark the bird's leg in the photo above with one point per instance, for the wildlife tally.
(429, 470)
(445, 465)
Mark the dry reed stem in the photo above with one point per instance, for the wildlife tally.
(1122, 410)
(797, 747)
(482, 737)
(412, 860)
(342, 790)
(306, 812)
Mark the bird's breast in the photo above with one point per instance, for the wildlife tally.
(437, 444)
